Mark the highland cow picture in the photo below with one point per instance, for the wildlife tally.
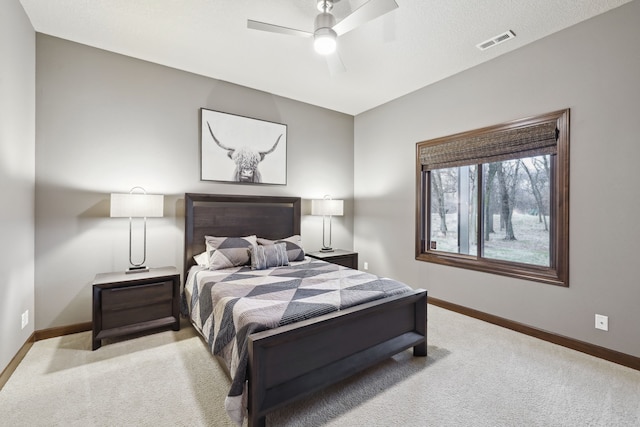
(241, 149)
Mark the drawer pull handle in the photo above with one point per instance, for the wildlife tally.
(128, 288)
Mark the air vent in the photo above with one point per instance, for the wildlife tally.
(500, 38)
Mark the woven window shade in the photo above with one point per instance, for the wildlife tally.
(489, 147)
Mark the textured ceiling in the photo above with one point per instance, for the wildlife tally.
(419, 43)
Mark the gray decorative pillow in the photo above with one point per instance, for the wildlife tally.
(226, 252)
(295, 251)
(269, 256)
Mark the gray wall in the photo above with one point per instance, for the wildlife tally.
(592, 68)
(17, 147)
(107, 123)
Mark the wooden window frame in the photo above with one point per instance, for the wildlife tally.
(558, 271)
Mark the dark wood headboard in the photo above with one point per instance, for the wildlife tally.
(235, 216)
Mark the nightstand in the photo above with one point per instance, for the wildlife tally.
(128, 303)
(338, 256)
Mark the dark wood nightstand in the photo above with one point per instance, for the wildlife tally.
(128, 303)
(338, 256)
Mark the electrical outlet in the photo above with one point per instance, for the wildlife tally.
(25, 318)
(602, 322)
(366, 265)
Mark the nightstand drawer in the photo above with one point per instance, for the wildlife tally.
(345, 261)
(135, 296)
(132, 315)
(338, 256)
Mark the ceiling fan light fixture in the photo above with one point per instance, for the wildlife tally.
(324, 36)
(324, 41)
(326, 30)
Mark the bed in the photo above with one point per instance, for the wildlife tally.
(292, 361)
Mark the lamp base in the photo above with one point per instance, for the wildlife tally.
(326, 250)
(137, 269)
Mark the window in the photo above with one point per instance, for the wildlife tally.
(497, 199)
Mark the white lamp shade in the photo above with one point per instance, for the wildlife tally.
(327, 207)
(136, 205)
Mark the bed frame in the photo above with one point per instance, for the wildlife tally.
(293, 361)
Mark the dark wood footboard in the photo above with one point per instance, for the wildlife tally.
(293, 361)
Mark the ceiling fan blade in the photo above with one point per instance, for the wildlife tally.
(347, 6)
(367, 12)
(263, 26)
(335, 64)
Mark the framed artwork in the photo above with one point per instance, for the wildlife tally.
(241, 149)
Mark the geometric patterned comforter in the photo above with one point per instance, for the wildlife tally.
(226, 306)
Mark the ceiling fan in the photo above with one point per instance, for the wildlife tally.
(326, 30)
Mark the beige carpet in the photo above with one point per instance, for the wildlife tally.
(476, 374)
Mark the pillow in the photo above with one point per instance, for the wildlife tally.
(263, 257)
(202, 259)
(225, 252)
(295, 251)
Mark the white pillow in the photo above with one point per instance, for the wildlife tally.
(202, 259)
